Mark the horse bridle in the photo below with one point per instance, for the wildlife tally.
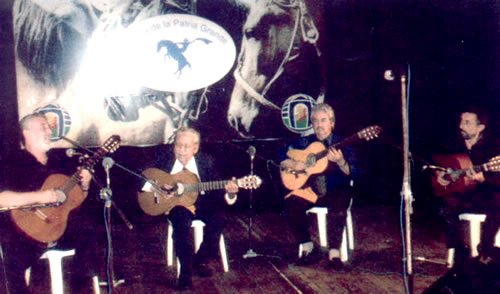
(309, 34)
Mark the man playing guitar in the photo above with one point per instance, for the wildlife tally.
(331, 188)
(478, 190)
(24, 174)
(208, 206)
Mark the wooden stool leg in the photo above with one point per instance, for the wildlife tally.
(350, 230)
(95, 285)
(170, 245)
(223, 254)
(55, 264)
(344, 256)
(198, 234)
(321, 213)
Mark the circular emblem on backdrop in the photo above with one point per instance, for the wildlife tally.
(296, 113)
(58, 119)
(179, 52)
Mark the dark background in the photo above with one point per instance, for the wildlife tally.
(449, 51)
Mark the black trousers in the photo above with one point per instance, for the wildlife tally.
(181, 218)
(20, 253)
(337, 202)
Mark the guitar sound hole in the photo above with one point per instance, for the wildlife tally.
(310, 161)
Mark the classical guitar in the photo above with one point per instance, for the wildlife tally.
(455, 168)
(314, 156)
(47, 224)
(185, 186)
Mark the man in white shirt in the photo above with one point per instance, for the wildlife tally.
(209, 206)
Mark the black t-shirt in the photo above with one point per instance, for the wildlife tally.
(23, 173)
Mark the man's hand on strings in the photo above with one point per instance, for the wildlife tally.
(478, 177)
(440, 178)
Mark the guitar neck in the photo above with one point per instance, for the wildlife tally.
(205, 186)
(455, 174)
(338, 145)
(71, 183)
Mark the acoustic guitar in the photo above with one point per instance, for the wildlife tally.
(47, 224)
(314, 156)
(455, 167)
(185, 186)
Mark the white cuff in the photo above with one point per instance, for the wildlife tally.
(229, 200)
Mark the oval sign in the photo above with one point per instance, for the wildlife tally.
(179, 52)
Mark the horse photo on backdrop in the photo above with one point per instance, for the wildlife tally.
(77, 61)
(71, 63)
(278, 57)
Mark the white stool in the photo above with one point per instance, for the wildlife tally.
(347, 233)
(475, 221)
(55, 265)
(96, 285)
(197, 225)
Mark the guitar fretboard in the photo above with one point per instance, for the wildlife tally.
(338, 145)
(205, 186)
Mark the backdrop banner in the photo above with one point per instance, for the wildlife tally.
(143, 69)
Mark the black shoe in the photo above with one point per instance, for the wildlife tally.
(336, 264)
(308, 259)
(203, 270)
(185, 282)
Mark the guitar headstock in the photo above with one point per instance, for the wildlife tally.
(249, 182)
(370, 132)
(493, 164)
(109, 146)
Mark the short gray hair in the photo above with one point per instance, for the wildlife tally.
(188, 130)
(24, 122)
(324, 108)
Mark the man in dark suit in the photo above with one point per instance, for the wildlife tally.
(208, 208)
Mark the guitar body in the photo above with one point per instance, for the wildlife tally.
(147, 199)
(294, 181)
(455, 162)
(48, 224)
(315, 158)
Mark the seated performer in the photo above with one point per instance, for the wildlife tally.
(25, 173)
(331, 188)
(209, 206)
(479, 190)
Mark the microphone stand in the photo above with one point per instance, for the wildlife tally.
(251, 253)
(106, 194)
(406, 193)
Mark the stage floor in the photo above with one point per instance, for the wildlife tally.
(375, 264)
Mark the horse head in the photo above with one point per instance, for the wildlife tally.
(272, 32)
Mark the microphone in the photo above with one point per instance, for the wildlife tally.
(389, 75)
(251, 151)
(107, 163)
(72, 152)
(396, 71)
